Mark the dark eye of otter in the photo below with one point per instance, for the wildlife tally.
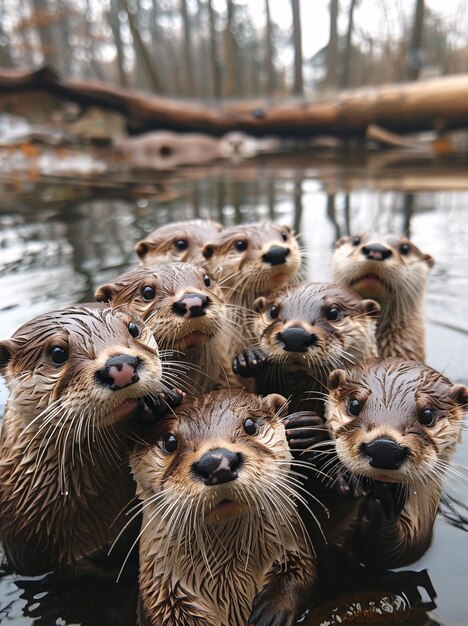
(332, 314)
(354, 407)
(405, 249)
(58, 355)
(250, 427)
(169, 443)
(207, 280)
(273, 312)
(181, 244)
(148, 292)
(284, 235)
(134, 330)
(356, 241)
(427, 417)
(240, 245)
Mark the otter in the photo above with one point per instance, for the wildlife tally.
(185, 310)
(395, 424)
(76, 379)
(393, 271)
(222, 543)
(301, 335)
(180, 241)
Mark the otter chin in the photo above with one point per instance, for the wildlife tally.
(227, 509)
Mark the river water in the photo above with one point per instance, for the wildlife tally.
(59, 241)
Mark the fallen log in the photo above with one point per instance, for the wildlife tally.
(440, 103)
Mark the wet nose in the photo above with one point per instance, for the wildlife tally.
(120, 371)
(296, 339)
(276, 255)
(376, 252)
(191, 305)
(384, 453)
(218, 466)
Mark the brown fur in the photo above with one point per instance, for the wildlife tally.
(203, 568)
(200, 366)
(393, 394)
(63, 477)
(399, 287)
(160, 246)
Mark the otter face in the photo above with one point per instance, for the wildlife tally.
(182, 305)
(313, 327)
(253, 259)
(381, 267)
(81, 365)
(219, 457)
(182, 241)
(395, 421)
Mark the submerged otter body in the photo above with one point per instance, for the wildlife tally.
(302, 334)
(185, 310)
(395, 424)
(222, 543)
(75, 377)
(393, 271)
(180, 241)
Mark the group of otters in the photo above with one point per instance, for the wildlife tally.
(237, 410)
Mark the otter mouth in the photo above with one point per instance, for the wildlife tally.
(370, 277)
(193, 340)
(128, 408)
(226, 509)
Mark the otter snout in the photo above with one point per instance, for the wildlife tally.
(217, 466)
(376, 252)
(120, 371)
(296, 339)
(276, 255)
(191, 305)
(384, 453)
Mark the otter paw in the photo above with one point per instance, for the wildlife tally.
(348, 485)
(248, 362)
(267, 612)
(160, 406)
(304, 430)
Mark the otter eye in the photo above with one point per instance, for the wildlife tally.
(169, 443)
(240, 245)
(181, 244)
(332, 314)
(58, 355)
(148, 292)
(404, 249)
(356, 241)
(250, 427)
(134, 330)
(207, 280)
(354, 407)
(284, 235)
(273, 312)
(427, 417)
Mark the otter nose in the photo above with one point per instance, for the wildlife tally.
(120, 371)
(191, 305)
(384, 453)
(217, 466)
(276, 255)
(296, 339)
(376, 252)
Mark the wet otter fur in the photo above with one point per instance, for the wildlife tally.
(222, 543)
(76, 377)
(395, 425)
(179, 241)
(393, 271)
(185, 310)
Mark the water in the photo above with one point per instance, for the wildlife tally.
(59, 241)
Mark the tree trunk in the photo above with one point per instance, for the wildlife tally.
(415, 52)
(348, 49)
(215, 67)
(188, 50)
(332, 50)
(298, 88)
(270, 52)
(115, 26)
(230, 55)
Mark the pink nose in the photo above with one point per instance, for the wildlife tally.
(191, 305)
(120, 371)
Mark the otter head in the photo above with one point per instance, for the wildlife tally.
(382, 267)
(81, 367)
(182, 241)
(181, 304)
(253, 259)
(315, 326)
(395, 420)
(219, 457)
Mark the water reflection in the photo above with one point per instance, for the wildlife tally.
(55, 250)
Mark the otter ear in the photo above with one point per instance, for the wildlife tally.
(209, 250)
(278, 404)
(371, 307)
(105, 293)
(260, 304)
(142, 248)
(7, 348)
(337, 379)
(339, 242)
(429, 260)
(459, 393)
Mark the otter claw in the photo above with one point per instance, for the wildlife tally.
(304, 430)
(246, 363)
(161, 405)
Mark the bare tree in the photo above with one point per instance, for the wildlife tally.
(215, 65)
(415, 52)
(332, 48)
(269, 51)
(348, 48)
(188, 48)
(142, 53)
(298, 88)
